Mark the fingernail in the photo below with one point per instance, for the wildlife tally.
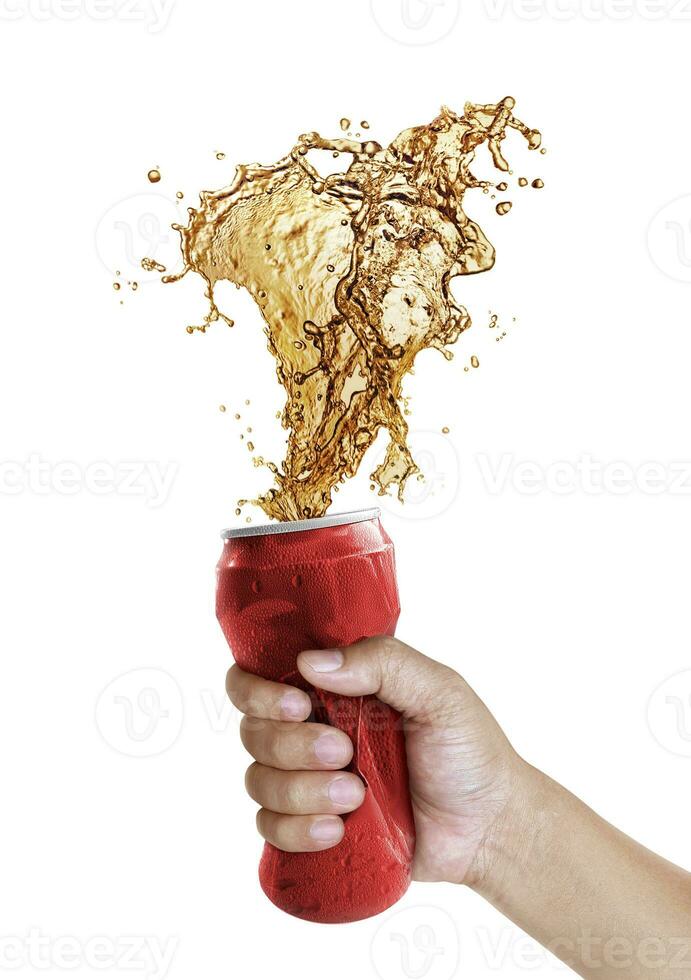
(323, 660)
(293, 705)
(329, 749)
(345, 792)
(326, 829)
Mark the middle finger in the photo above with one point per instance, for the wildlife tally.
(296, 745)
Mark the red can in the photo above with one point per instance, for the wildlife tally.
(318, 584)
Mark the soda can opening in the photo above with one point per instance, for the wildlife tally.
(285, 527)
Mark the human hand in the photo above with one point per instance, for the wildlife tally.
(462, 769)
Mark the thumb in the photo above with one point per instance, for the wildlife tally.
(410, 682)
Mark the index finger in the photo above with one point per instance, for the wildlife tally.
(259, 698)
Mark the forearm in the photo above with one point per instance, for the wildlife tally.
(598, 900)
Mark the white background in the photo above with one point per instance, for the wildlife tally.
(565, 605)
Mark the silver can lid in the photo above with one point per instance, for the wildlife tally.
(285, 527)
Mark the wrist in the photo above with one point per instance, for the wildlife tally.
(504, 854)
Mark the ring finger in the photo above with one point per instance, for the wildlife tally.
(304, 792)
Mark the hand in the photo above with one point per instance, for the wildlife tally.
(462, 769)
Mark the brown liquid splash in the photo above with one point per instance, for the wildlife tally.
(352, 275)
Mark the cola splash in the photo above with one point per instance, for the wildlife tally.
(351, 273)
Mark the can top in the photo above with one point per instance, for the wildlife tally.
(285, 527)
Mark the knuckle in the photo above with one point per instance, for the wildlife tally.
(388, 646)
(282, 744)
(233, 683)
(252, 734)
(261, 822)
(252, 780)
(292, 794)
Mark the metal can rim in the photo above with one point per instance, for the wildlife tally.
(286, 527)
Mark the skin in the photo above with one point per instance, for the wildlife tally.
(484, 817)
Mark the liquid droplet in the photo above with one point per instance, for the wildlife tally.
(503, 207)
(537, 183)
(150, 265)
(474, 361)
(345, 124)
(154, 176)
